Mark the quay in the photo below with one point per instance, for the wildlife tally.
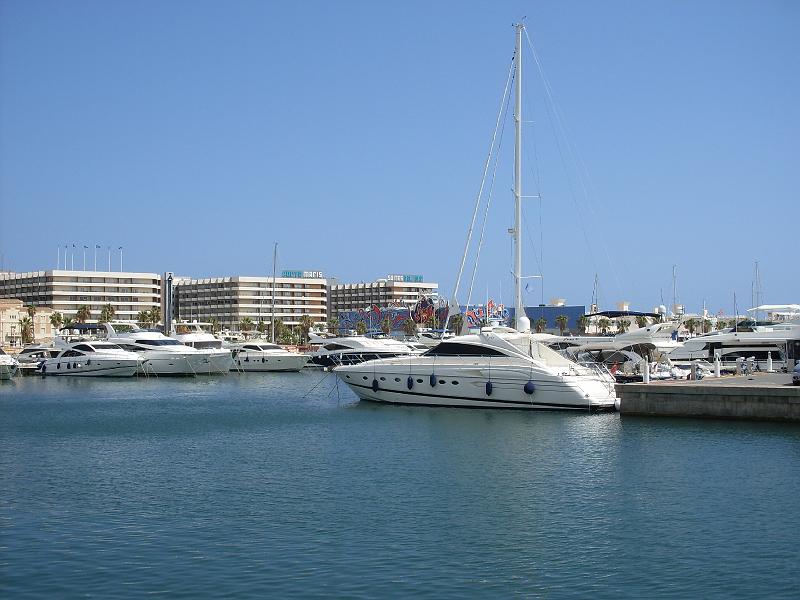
(761, 396)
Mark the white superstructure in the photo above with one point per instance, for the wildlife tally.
(194, 335)
(332, 351)
(259, 355)
(92, 359)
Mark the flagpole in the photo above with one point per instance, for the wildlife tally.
(84, 256)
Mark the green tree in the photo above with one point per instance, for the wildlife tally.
(361, 328)
(333, 325)
(246, 324)
(721, 323)
(583, 323)
(286, 336)
(386, 326)
(456, 323)
(691, 325)
(641, 321)
(279, 329)
(409, 327)
(214, 322)
(84, 314)
(31, 310)
(143, 319)
(155, 316)
(623, 325)
(56, 319)
(107, 313)
(305, 324)
(26, 330)
(561, 322)
(261, 327)
(603, 324)
(68, 322)
(541, 324)
(706, 326)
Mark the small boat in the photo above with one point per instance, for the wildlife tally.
(92, 359)
(261, 356)
(8, 365)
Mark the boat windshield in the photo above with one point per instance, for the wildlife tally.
(459, 349)
(125, 327)
(216, 344)
(164, 342)
(106, 346)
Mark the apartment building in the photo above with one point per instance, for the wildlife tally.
(67, 291)
(393, 291)
(230, 299)
(12, 315)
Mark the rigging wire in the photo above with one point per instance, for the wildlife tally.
(489, 195)
(511, 70)
(557, 122)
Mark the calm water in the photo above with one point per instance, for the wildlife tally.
(241, 486)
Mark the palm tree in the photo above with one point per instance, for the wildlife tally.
(409, 327)
(361, 328)
(286, 336)
(26, 330)
(279, 329)
(56, 319)
(706, 326)
(31, 310)
(107, 313)
(143, 319)
(691, 325)
(333, 325)
(456, 323)
(68, 322)
(305, 324)
(623, 325)
(261, 327)
(84, 314)
(246, 324)
(214, 324)
(561, 321)
(386, 326)
(541, 324)
(583, 323)
(155, 316)
(721, 323)
(641, 321)
(603, 324)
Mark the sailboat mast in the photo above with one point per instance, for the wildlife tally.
(519, 309)
(272, 317)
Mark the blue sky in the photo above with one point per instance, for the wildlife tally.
(195, 134)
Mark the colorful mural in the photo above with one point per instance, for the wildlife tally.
(373, 316)
(478, 316)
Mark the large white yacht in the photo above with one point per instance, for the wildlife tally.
(356, 349)
(193, 334)
(164, 355)
(762, 343)
(8, 365)
(92, 359)
(498, 367)
(260, 356)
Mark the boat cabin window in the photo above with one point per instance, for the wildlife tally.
(84, 347)
(105, 346)
(336, 347)
(72, 353)
(208, 344)
(251, 347)
(270, 347)
(459, 349)
(165, 342)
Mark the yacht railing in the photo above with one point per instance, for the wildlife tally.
(601, 371)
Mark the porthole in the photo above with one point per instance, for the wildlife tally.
(364, 378)
(397, 379)
(442, 381)
(454, 382)
(383, 378)
(419, 380)
(348, 376)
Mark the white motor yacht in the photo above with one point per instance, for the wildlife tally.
(35, 353)
(258, 355)
(164, 355)
(92, 359)
(194, 335)
(498, 367)
(8, 365)
(356, 349)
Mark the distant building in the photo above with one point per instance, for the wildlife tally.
(398, 291)
(230, 299)
(12, 313)
(67, 291)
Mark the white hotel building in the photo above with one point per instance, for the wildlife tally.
(394, 290)
(230, 299)
(67, 291)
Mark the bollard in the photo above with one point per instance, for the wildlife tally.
(739, 365)
(717, 367)
(646, 373)
(751, 365)
(769, 362)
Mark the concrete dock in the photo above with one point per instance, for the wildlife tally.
(762, 396)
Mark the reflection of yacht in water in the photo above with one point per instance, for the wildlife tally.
(332, 351)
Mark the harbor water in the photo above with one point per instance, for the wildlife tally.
(263, 484)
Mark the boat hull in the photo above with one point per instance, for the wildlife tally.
(467, 388)
(7, 371)
(72, 367)
(262, 362)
